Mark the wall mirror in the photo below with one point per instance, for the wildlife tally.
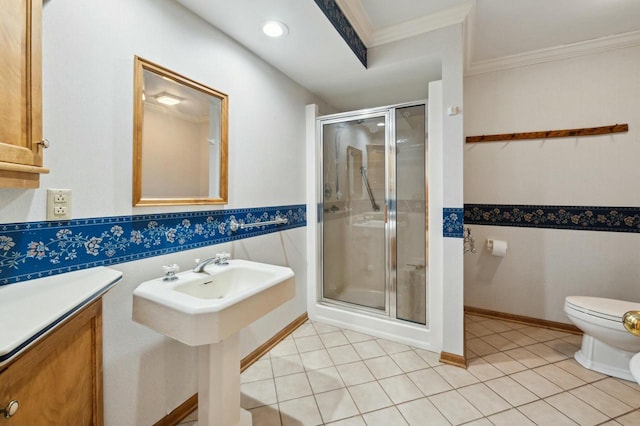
(180, 139)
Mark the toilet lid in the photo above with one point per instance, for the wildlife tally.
(604, 308)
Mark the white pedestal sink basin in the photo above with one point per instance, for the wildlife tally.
(208, 310)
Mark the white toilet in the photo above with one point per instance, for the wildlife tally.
(607, 347)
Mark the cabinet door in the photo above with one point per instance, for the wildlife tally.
(59, 380)
(20, 88)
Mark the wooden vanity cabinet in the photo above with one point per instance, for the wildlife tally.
(21, 141)
(58, 381)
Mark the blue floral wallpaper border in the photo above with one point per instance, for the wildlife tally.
(36, 249)
(344, 28)
(613, 219)
(452, 222)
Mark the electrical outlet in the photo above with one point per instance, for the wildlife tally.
(58, 204)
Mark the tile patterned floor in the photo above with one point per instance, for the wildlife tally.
(517, 375)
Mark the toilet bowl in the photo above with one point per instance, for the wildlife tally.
(606, 346)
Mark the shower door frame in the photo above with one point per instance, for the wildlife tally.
(390, 205)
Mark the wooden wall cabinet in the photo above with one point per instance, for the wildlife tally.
(21, 141)
(58, 381)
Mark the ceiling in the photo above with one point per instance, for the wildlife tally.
(499, 34)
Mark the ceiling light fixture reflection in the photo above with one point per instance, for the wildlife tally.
(275, 29)
(381, 124)
(168, 99)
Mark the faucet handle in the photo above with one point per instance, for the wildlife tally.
(170, 272)
(223, 258)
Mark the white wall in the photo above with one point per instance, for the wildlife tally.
(544, 266)
(88, 51)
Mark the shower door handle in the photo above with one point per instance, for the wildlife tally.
(386, 213)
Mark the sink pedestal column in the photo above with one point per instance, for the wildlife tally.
(219, 384)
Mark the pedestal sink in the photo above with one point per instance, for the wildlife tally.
(208, 310)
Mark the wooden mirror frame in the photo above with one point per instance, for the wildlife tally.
(140, 65)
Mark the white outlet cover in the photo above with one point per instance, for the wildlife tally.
(53, 195)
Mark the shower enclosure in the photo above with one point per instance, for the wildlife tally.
(374, 212)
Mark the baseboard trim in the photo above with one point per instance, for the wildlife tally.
(453, 359)
(537, 322)
(190, 405)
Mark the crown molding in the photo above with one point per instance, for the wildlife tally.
(354, 11)
(555, 53)
(424, 24)
(358, 18)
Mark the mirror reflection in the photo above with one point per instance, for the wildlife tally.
(180, 139)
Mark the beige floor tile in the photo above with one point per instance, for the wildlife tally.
(456, 376)
(576, 409)
(422, 412)
(497, 326)
(537, 334)
(351, 421)
(369, 349)
(479, 422)
(576, 339)
(510, 390)
(564, 347)
(511, 417)
(300, 412)
(480, 347)
(542, 413)
(518, 338)
(284, 365)
(355, 373)
(355, 337)
(633, 385)
(601, 401)
(369, 397)
(335, 338)
(535, 383)
(309, 343)
(546, 352)
(409, 361)
(400, 389)
(619, 391)
(429, 382)
(316, 359)
(385, 417)
(325, 379)
(455, 408)
(572, 366)
(336, 405)
(631, 419)
(497, 341)
(431, 358)
(484, 399)
(382, 367)
(477, 329)
(343, 354)
(504, 363)
(284, 348)
(526, 358)
(392, 347)
(256, 394)
(260, 370)
(267, 415)
(483, 370)
(306, 329)
(612, 423)
(324, 328)
(559, 376)
(292, 386)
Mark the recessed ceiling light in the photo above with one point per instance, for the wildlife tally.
(168, 99)
(275, 29)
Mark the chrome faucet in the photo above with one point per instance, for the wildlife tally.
(218, 259)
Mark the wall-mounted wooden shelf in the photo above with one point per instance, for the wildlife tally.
(587, 131)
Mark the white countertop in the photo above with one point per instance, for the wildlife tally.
(30, 309)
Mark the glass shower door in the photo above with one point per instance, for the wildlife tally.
(411, 217)
(354, 211)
